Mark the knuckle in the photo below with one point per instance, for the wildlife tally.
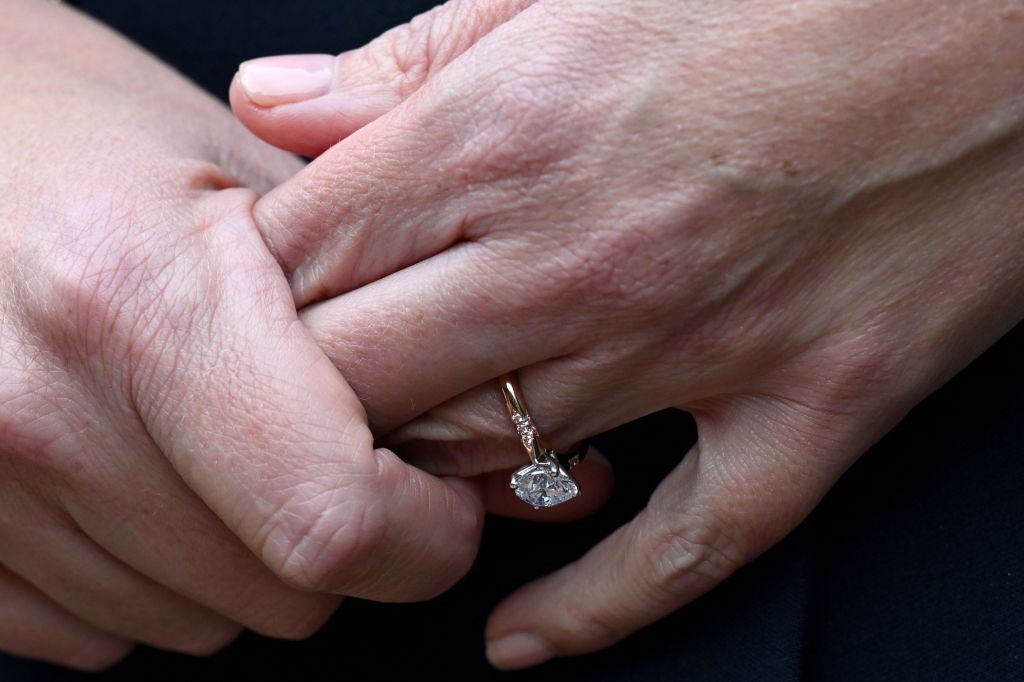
(429, 42)
(410, 48)
(639, 253)
(83, 287)
(113, 269)
(521, 122)
(584, 272)
(512, 133)
(39, 435)
(589, 270)
(407, 53)
(862, 364)
(695, 550)
(828, 391)
(594, 626)
(317, 542)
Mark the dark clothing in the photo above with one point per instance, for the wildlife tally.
(911, 569)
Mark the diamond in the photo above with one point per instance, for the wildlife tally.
(545, 484)
(526, 430)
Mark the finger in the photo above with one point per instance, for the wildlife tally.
(416, 341)
(166, 533)
(449, 385)
(306, 103)
(33, 626)
(570, 398)
(74, 572)
(256, 420)
(753, 476)
(445, 166)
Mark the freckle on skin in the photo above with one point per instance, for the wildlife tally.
(1011, 14)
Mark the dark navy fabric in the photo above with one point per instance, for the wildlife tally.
(911, 569)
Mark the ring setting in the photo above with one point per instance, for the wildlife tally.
(545, 481)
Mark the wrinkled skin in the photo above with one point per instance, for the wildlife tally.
(794, 220)
(178, 458)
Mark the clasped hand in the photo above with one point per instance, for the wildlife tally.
(781, 218)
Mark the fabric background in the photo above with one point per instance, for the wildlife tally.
(912, 568)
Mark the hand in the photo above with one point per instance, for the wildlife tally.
(178, 459)
(793, 220)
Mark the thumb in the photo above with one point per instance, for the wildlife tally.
(255, 419)
(755, 473)
(307, 102)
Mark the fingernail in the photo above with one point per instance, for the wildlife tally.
(518, 650)
(271, 81)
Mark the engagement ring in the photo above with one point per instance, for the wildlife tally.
(545, 482)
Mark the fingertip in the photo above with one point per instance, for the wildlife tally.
(99, 659)
(302, 128)
(273, 81)
(518, 650)
(297, 103)
(432, 533)
(520, 632)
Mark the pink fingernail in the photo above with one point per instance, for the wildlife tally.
(270, 81)
(518, 650)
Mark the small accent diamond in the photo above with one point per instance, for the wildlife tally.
(526, 430)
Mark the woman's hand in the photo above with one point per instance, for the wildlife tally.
(178, 459)
(794, 220)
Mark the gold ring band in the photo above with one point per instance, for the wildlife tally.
(520, 415)
(545, 482)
